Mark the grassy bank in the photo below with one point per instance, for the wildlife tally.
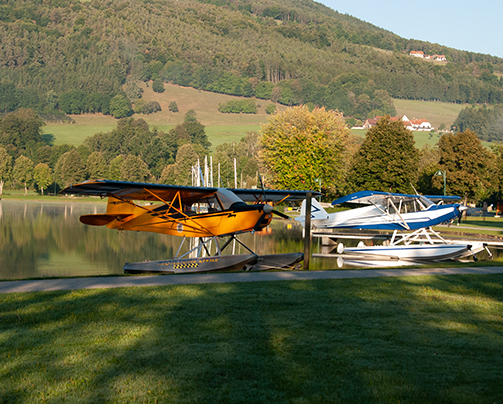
(472, 225)
(409, 340)
(16, 194)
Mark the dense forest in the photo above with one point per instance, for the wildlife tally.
(68, 56)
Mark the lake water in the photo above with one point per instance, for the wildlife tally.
(46, 239)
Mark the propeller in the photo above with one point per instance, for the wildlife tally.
(461, 208)
(264, 199)
(268, 209)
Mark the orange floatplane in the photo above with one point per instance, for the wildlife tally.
(207, 213)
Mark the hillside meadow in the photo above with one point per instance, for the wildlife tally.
(227, 128)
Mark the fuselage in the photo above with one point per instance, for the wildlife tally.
(373, 218)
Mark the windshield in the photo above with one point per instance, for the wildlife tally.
(425, 202)
(227, 198)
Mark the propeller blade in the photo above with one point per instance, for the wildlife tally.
(462, 208)
(257, 226)
(262, 186)
(281, 215)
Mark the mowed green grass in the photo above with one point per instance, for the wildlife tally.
(430, 339)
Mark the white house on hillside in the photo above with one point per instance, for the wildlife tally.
(412, 124)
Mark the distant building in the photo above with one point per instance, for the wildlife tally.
(420, 54)
(411, 124)
(417, 54)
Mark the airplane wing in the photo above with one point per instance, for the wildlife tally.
(445, 199)
(271, 195)
(375, 198)
(137, 190)
(140, 191)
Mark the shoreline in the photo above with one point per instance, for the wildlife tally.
(209, 278)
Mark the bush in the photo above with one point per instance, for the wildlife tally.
(158, 86)
(270, 109)
(238, 106)
(173, 107)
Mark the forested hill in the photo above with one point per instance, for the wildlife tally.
(76, 55)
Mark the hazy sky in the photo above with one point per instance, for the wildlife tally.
(461, 24)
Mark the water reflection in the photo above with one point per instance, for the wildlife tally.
(44, 239)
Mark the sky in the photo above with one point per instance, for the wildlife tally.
(469, 25)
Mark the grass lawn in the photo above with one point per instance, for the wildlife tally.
(478, 225)
(434, 339)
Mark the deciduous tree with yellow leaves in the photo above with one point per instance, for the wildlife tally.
(300, 148)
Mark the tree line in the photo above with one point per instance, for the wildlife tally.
(130, 152)
(66, 56)
(486, 122)
(299, 148)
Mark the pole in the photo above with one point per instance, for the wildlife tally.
(211, 172)
(235, 175)
(444, 182)
(307, 230)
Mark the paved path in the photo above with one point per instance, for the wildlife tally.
(159, 280)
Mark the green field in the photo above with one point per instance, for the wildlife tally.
(434, 112)
(428, 339)
(227, 128)
(220, 128)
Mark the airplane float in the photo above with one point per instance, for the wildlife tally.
(410, 217)
(206, 213)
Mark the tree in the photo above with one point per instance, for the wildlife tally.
(134, 169)
(96, 165)
(114, 169)
(5, 167)
(498, 177)
(190, 116)
(23, 171)
(132, 90)
(271, 109)
(22, 129)
(173, 107)
(158, 86)
(387, 160)
(120, 107)
(42, 176)
(467, 164)
(168, 175)
(72, 102)
(300, 147)
(70, 168)
(185, 159)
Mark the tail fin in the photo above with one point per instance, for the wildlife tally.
(317, 212)
(116, 210)
(117, 206)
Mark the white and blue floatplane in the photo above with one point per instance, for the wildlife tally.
(409, 217)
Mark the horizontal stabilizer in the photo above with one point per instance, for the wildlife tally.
(101, 219)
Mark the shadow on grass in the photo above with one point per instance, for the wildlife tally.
(412, 339)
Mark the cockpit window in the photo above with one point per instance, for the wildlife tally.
(207, 205)
(425, 202)
(227, 198)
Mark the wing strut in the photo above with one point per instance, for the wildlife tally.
(171, 205)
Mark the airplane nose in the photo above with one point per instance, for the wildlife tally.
(267, 208)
